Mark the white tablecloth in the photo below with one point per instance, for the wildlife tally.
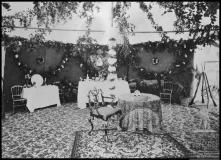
(42, 96)
(121, 87)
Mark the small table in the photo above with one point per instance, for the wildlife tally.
(41, 96)
(141, 112)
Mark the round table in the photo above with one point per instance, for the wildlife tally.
(141, 112)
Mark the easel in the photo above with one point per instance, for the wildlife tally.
(205, 83)
(204, 109)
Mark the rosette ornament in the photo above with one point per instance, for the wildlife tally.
(111, 69)
(112, 53)
(112, 61)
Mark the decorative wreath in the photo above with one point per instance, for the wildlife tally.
(40, 60)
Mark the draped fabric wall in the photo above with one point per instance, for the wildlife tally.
(3, 67)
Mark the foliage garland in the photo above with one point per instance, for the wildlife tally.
(182, 49)
(77, 51)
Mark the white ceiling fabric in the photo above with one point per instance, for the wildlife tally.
(102, 22)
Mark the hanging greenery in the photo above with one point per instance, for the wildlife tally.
(147, 10)
(189, 16)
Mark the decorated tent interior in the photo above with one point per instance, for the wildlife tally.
(110, 79)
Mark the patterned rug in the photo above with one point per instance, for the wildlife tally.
(204, 145)
(50, 132)
(126, 145)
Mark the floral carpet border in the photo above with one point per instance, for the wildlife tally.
(78, 136)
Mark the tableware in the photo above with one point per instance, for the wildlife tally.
(37, 80)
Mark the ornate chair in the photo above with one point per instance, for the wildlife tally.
(101, 110)
(166, 93)
(17, 99)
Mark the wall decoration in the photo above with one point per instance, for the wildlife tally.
(40, 60)
(155, 61)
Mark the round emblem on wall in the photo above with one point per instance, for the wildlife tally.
(155, 61)
(40, 60)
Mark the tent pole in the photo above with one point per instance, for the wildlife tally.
(2, 78)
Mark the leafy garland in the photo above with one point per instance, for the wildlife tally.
(182, 50)
(76, 51)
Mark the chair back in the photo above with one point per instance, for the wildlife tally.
(167, 85)
(94, 97)
(16, 91)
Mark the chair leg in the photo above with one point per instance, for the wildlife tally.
(105, 131)
(92, 126)
(13, 109)
(120, 120)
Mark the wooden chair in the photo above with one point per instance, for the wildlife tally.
(166, 93)
(17, 99)
(101, 110)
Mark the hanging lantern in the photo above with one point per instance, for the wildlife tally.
(112, 43)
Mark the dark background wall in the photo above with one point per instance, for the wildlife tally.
(72, 70)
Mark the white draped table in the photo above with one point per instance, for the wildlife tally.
(121, 87)
(41, 96)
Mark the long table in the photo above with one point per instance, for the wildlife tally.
(121, 87)
(42, 96)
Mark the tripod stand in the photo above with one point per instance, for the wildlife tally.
(205, 83)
